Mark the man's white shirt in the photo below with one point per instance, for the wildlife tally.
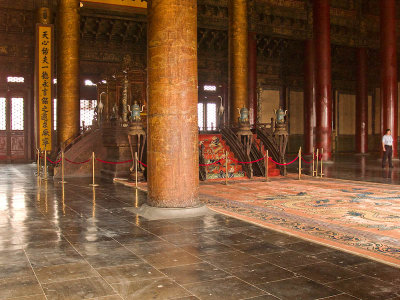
(387, 140)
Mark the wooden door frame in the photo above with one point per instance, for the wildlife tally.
(19, 90)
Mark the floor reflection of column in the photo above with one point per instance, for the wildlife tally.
(63, 199)
(362, 166)
(94, 202)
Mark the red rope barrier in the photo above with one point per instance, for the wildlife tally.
(77, 163)
(53, 162)
(247, 162)
(284, 164)
(307, 162)
(144, 165)
(114, 162)
(214, 163)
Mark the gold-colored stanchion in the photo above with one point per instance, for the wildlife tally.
(313, 164)
(266, 166)
(322, 154)
(316, 166)
(300, 163)
(38, 163)
(62, 168)
(226, 168)
(45, 165)
(93, 164)
(136, 170)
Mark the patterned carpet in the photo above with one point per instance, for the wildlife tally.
(359, 217)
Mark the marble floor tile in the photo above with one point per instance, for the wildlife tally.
(114, 257)
(170, 259)
(194, 273)
(298, 288)
(19, 286)
(15, 270)
(229, 288)
(231, 259)
(365, 287)
(383, 272)
(54, 273)
(258, 248)
(325, 272)
(126, 273)
(85, 288)
(155, 289)
(288, 259)
(343, 259)
(260, 273)
(207, 247)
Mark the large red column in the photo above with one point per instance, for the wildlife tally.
(309, 96)
(252, 74)
(323, 87)
(389, 69)
(362, 102)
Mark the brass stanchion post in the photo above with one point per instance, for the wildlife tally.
(322, 153)
(316, 167)
(266, 166)
(300, 163)
(226, 168)
(136, 170)
(93, 164)
(62, 168)
(313, 164)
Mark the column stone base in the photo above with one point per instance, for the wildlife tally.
(157, 213)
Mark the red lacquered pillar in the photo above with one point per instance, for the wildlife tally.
(323, 87)
(389, 69)
(309, 96)
(252, 74)
(362, 102)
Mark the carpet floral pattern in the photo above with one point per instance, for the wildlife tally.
(356, 216)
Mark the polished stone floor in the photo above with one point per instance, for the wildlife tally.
(356, 167)
(85, 243)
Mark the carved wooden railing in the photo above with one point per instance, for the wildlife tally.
(265, 134)
(259, 166)
(238, 149)
(202, 169)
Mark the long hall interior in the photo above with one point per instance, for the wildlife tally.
(199, 149)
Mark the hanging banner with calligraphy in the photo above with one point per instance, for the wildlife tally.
(44, 75)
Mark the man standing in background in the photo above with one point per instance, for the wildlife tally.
(387, 144)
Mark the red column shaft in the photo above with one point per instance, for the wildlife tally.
(389, 69)
(323, 87)
(252, 74)
(309, 96)
(362, 102)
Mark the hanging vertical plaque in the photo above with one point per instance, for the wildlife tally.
(44, 69)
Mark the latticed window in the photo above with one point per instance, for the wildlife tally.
(17, 114)
(3, 119)
(207, 116)
(15, 79)
(210, 88)
(200, 112)
(87, 111)
(211, 116)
